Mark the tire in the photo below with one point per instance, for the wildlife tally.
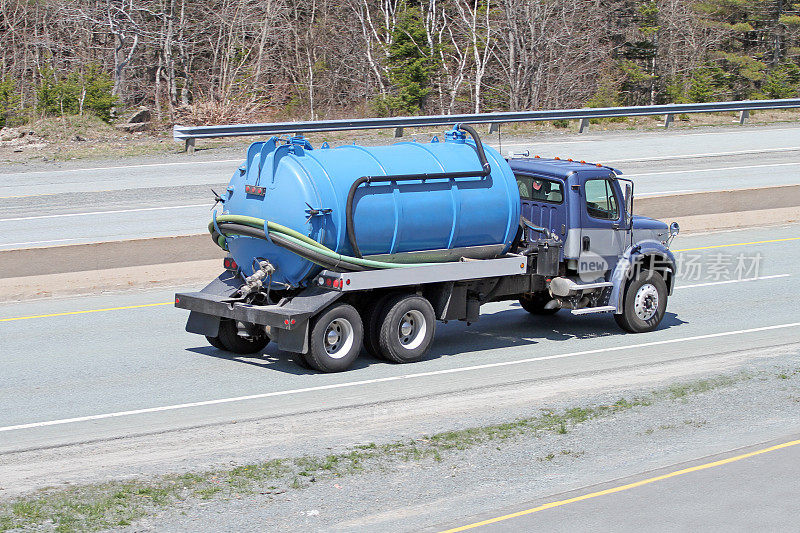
(534, 304)
(300, 360)
(371, 317)
(228, 339)
(644, 303)
(408, 324)
(335, 339)
(215, 342)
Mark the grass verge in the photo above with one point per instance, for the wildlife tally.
(89, 138)
(120, 503)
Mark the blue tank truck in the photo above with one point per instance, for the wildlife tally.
(332, 249)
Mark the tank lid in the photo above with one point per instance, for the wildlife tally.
(455, 136)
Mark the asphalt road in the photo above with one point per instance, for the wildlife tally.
(80, 202)
(106, 366)
(753, 489)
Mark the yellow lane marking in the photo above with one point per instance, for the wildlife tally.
(170, 303)
(32, 195)
(624, 487)
(85, 312)
(737, 244)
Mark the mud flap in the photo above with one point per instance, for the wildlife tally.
(202, 324)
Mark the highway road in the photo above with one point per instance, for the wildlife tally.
(113, 365)
(751, 489)
(81, 202)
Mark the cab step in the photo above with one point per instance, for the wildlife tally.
(594, 285)
(589, 310)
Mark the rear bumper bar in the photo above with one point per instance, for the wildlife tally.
(220, 306)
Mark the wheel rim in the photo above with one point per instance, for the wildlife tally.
(646, 302)
(338, 338)
(412, 329)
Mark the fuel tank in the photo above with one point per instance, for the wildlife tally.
(422, 220)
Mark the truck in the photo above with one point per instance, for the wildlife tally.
(376, 261)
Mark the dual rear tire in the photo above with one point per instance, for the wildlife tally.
(405, 328)
(398, 328)
(234, 337)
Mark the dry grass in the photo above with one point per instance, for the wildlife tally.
(57, 139)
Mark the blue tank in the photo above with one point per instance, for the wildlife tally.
(409, 221)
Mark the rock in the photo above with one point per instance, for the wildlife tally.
(79, 138)
(9, 134)
(133, 128)
(140, 116)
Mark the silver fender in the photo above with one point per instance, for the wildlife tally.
(652, 253)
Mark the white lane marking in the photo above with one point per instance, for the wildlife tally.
(56, 170)
(544, 143)
(726, 282)
(663, 192)
(710, 154)
(36, 242)
(694, 171)
(390, 378)
(106, 212)
(676, 135)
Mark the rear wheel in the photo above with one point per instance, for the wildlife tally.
(371, 315)
(534, 304)
(408, 324)
(300, 360)
(335, 339)
(644, 303)
(237, 338)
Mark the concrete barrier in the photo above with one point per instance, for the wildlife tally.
(713, 202)
(695, 211)
(107, 255)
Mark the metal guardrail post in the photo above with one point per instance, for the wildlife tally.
(189, 147)
(584, 125)
(668, 119)
(744, 116)
(398, 132)
(494, 127)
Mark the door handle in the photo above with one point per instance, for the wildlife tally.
(586, 243)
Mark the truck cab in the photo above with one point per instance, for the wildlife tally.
(587, 210)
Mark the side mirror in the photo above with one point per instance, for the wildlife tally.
(629, 203)
(674, 229)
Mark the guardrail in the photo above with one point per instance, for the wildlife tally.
(189, 134)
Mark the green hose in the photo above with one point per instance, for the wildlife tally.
(272, 226)
(302, 240)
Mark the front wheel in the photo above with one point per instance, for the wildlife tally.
(232, 338)
(335, 339)
(644, 303)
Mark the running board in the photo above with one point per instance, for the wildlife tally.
(588, 310)
(594, 285)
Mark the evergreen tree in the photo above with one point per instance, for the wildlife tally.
(411, 62)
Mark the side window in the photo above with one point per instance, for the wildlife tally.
(539, 189)
(600, 200)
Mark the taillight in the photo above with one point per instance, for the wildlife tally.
(252, 189)
(230, 264)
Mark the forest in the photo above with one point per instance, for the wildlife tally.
(240, 60)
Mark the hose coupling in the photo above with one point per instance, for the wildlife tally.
(263, 269)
